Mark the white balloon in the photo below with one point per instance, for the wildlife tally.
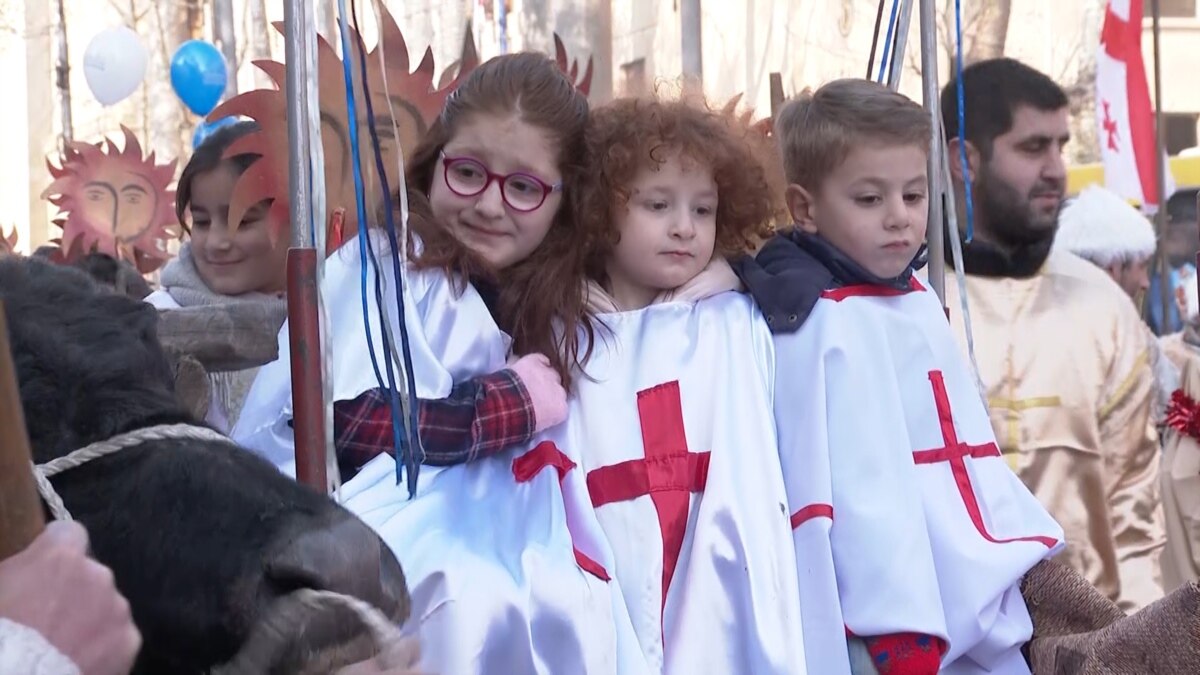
(114, 64)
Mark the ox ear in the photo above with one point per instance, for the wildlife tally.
(140, 319)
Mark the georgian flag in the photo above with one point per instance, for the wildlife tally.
(1124, 116)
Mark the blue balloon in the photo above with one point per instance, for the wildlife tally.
(199, 75)
(206, 129)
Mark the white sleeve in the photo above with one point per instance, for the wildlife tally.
(24, 650)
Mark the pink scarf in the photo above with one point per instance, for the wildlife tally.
(716, 277)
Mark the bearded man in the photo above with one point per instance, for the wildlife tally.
(1061, 351)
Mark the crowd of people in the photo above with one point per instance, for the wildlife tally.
(787, 458)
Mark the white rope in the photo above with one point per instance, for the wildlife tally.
(382, 630)
(42, 473)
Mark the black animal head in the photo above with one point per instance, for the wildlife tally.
(202, 536)
(89, 362)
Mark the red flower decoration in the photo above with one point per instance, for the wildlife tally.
(1183, 414)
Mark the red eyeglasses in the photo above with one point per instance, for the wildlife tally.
(468, 177)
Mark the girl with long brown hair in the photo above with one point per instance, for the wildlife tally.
(492, 183)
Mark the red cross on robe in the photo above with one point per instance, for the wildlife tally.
(956, 452)
(669, 473)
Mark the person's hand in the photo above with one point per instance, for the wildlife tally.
(399, 658)
(545, 390)
(54, 588)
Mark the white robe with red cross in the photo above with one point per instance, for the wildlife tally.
(903, 507)
(486, 548)
(671, 425)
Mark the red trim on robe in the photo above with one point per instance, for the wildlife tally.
(530, 464)
(870, 291)
(811, 511)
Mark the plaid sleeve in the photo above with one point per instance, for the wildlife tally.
(480, 417)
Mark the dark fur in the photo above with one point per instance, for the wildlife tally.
(185, 525)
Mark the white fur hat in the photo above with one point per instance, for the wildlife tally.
(1101, 227)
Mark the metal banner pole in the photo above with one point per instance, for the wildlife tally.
(937, 153)
(308, 409)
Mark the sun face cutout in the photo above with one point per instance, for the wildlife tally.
(412, 96)
(584, 84)
(114, 201)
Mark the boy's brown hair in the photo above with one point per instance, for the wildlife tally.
(628, 134)
(817, 130)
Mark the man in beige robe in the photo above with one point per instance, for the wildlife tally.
(1107, 231)
(1061, 351)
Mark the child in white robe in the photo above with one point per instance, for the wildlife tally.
(900, 499)
(670, 424)
(493, 186)
(488, 187)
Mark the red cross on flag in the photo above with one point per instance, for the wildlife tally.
(1124, 117)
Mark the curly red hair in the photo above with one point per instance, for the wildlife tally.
(628, 134)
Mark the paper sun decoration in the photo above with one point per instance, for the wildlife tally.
(114, 201)
(414, 99)
(8, 242)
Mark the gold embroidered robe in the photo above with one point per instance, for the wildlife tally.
(1063, 358)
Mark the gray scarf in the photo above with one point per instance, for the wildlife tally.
(181, 280)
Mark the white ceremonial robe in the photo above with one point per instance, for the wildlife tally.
(901, 502)
(671, 424)
(452, 338)
(474, 540)
(497, 570)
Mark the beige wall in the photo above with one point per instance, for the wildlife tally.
(1180, 57)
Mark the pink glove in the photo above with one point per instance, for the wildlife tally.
(545, 390)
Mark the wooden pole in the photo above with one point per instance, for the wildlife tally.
(691, 49)
(1160, 217)
(226, 38)
(62, 74)
(21, 518)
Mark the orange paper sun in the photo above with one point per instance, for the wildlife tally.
(114, 201)
(8, 242)
(412, 96)
(414, 99)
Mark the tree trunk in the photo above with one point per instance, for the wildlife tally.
(226, 40)
(62, 73)
(169, 124)
(259, 38)
(991, 30)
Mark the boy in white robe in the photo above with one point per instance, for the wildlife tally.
(900, 501)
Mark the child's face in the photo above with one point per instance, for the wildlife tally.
(233, 261)
(667, 229)
(486, 223)
(872, 207)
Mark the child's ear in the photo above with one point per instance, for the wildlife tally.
(956, 166)
(801, 207)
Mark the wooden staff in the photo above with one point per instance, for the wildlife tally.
(21, 518)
